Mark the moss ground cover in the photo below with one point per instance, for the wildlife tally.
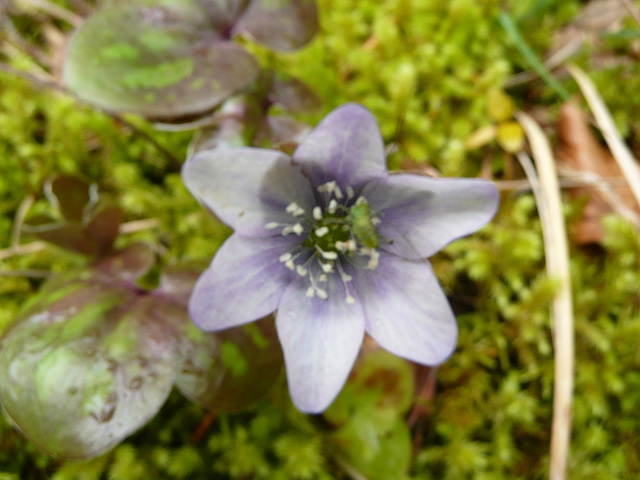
(424, 68)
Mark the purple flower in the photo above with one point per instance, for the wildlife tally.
(336, 245)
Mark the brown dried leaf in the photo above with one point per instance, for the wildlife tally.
(581, 152)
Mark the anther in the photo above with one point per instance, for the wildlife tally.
(310, 292)
(317, 213)
(301, 271)
(329, 255)
(350, 300)
(294, 209)
(350, 192)
(333, 206)
(322, 231)
(297, 229)
(271, 225)
(326, 267)
(285, 257)
(322, 294)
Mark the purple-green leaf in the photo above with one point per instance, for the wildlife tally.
(126, 265)
(91, 368)
(71, 236)
(103, 228)
(161, 61)
(70, 195)
(280, 24)
(231, 369)
(293, 95)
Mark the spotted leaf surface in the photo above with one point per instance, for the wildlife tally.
(161, 60)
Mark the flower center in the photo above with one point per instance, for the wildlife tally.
(338, 231)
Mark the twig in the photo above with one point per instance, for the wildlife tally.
(604, 188)
(29, 273)
(56, 11)
(23, 249)
(139, 225)
(37, 246)
(632, 11)
(534, 62)
(557, 262)
(24, 207)
(620, 152)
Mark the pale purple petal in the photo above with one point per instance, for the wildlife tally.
(247, 188)
(406, 311)
(243, 283)
(346, 146)
(420, 215)
(320, 340)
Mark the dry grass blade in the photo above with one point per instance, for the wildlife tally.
(621, 153)
(557, 261)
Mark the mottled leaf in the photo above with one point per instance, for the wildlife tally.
(380, 380)
(103, 227)
(126, 265)
(177, 280)
(280, 24)
(162, 61)
(231, 369)
(87, 371)
(236, 124)
(71, 236)
(293, 95)
(283, 131)
(224, 13)
(377, 444)
(70, 196)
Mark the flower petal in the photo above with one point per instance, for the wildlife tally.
(320, 340)
(346, 146)
(247, 187)
(243, 283)
(420, 215)
(406, 311)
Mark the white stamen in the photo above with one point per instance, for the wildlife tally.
(297, 229)
(373, 261)
(290, 265)
(333, 206)
(323, 278)
(375, 221)
(322, 231)
(322, 294)
(346, 277)
(271, 225)
(351, 245)
(350, 193)
(326, 267)
(285, 257)
(310, 292)
(341, 246)
(317, 213)
(329, 255)
(286, 230)
(338, 193)
(292, 207)
(301, 271)
(327, 187)
(350, 300)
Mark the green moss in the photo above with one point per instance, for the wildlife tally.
(425, 68)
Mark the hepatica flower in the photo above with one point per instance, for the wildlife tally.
(336, 245)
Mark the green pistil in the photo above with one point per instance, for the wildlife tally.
(338, 231)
